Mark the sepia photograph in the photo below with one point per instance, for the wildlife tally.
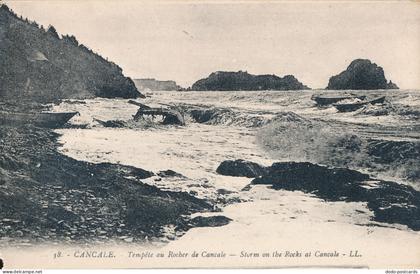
(140, 134)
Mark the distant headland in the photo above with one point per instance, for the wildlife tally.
(156, 85)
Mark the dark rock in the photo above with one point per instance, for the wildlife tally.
(112, 123)
(160, 211)
(212, 221)
(59, 214)
(223, 191)
(241, 168)
(361, 74)
(68, 199)
(170, 116)
(333, 183)
(38, 65)
(124, 170)
(390, 202)
(241, 80)
(395, 203)
(74, 102)
(391, 85)
(170, 173)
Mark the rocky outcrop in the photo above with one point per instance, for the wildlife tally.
(170, 173)
(211, 221)
(330, 183)
(391, 85)
(242, 80)
(361, 74)
(389, 201)
(241, 168)
(156, 85)
(48, 197)
(40, 65)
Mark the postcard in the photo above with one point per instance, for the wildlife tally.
(209, 134)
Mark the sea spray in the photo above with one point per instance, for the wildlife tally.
(316, 141)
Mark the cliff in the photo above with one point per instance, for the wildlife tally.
(37, 64)
(156, 85)
(361, 74)
(240, 80)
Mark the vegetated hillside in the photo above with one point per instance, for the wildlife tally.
(242, 80)
(40, 65)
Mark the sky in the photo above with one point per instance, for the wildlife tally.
(186, 40)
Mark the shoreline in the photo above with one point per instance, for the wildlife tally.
(184, 160)
(71, 201)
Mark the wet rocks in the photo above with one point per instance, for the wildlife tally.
(65, 200)
(124, 170)
(241, 168)
(170, 173)
(395, 203)
(112, 123)
(171, 116)
(59, 214)
(390, 202)
(151, 212)
(212, 221)
(331, 183)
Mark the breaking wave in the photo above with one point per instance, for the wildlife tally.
(302, 139)
(227, 117)
(391, 109)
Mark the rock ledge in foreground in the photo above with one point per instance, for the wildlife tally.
(390, 202)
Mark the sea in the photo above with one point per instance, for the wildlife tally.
(382, 140)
